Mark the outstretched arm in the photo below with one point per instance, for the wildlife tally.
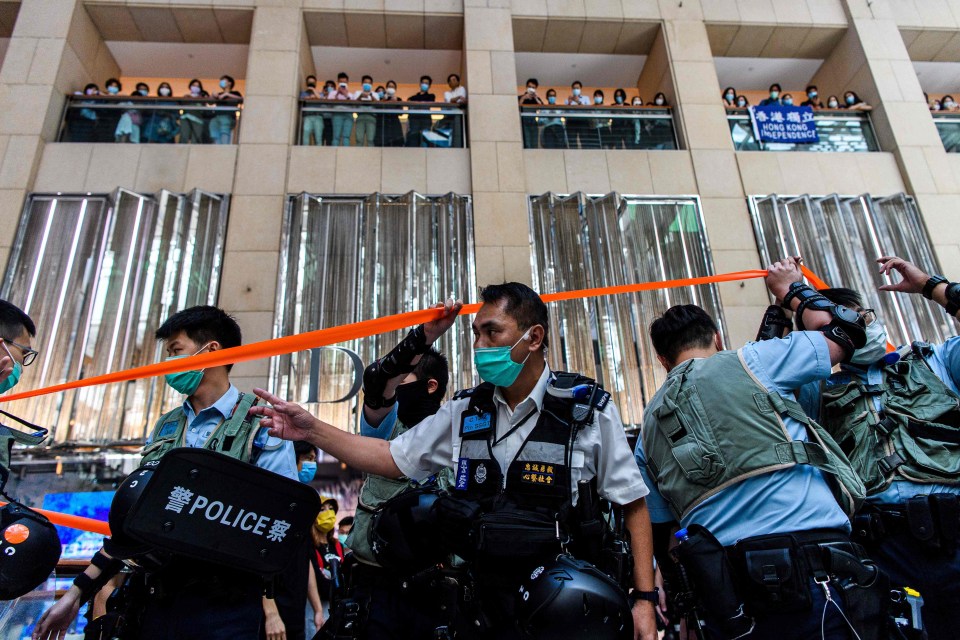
(915, 280)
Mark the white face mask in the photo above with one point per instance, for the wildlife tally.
(531, 89)
(876, 346)
(391, 91)
(659, 101)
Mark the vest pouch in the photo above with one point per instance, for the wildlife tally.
(775, 578)
(455, 517)
(511, 535)
(684, 421)
(934, 459)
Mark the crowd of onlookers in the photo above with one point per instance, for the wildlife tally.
(850, 100)
(157, 121)
(946, 103)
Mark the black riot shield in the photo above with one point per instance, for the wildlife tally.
(218, 509)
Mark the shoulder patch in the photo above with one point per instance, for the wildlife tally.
(602, 399)
(464, 393)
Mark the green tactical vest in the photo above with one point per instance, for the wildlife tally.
(233, 437)
(713, 424)
(916, 435)
(375, 491)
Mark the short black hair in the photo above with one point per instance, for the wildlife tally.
(91, 85)
(111, 81)
(302, 448)
(811, 86)
(777, 85)
(195, 81)
(433, 364)
(13, 321)
(427, 78)
(343, 74)
(523, 304)
(682, 327)
(203, 324)
(229, 79)
(575, 83)
(453, 75)
(346, 522)
(366, 77)
(310, 76)
(844, 297)
(533, 81)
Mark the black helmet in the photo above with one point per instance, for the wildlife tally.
(404, 534)
(569, 598)
(29, 550)
(121, 545)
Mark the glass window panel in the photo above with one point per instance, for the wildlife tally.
(584, 241)
(840, 237)
(347, 259)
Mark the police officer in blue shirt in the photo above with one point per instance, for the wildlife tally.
(188, 599)
(897, 416)
(730, 456)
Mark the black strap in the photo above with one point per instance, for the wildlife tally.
(9, 436)
(514, 428)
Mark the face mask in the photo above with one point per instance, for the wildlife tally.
(637, 103)
(380, 94)
(13, 378)
(576, 92)
(325, 521)
(343, 538)
(788, 101)
(812, 95)
(531, 90)
(597, 100)
(391, 91)
(308, 469)
(876, 346)
(936, 107)
(164, 91)
(495, 365)
(415, 402)
(311, 85)
(343, 85)
(619, 99)
(730, 97)
(832, 104)
(113, 90)
(185, 382)
(659, 101)
(424, 87)
(141, 92)
(223, 84)
(774, 95)
(366, 87)
(552, 99)
(850, 99)
(195, 90)
(741, 103)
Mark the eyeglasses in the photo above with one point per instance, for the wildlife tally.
(29, 355)
(869, 316)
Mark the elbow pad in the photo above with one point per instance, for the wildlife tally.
(847, 327)
(775, 324)
(395, 363)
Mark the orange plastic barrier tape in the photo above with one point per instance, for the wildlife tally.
(343, 333)
(75, 522)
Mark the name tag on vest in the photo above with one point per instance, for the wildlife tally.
(168, 429)
(476, 423)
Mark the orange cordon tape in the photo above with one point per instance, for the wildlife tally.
(74, 522)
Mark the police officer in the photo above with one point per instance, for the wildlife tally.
(16, 333)
(192, 599)
(398, 607)
(763, 494)
(493, 436)
(897, 416)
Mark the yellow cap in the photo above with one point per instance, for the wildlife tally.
(911, 592)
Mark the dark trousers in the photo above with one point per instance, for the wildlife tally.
(554, 137)
(935, 575)
(207, 610)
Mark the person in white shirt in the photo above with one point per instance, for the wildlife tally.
(366, 123)
(458, 96)
(579, 132)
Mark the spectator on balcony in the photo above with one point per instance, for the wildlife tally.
(366, 119)
(82, 122)
(599, 127)
(637, 124)
(742, 102)
(128, 127)
(108, 119)
(774, 98)
(853, 102)
(417, 124)
(578, 128)
(787, 100)
(312, 122)
(223, 122)
(343, 118)
(191, 122)
(529, 98)
(935, 105)
(621, 129)
(833, 102)
(328, 93)
(554, 135)
(390, 131)
(659, 131)
(729, 97)
(947, 103)
(458, 96)
(813, 95)
(161, 126)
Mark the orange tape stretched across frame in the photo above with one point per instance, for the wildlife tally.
(74, 522)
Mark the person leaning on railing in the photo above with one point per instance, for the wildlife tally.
(390, 131)
(417, 124)
(853, 102)
(578, 130)
(162, 125)
(366, 123)
(312, 122)
(554, 134)
(621, 129)
(530, 129)
(223, 122)
(191, 120)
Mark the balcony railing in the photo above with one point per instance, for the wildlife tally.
(149, 120)
(348, 123)
(563, 127)
(948, 126)
(839, 131)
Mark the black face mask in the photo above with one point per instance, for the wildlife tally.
(414, 402)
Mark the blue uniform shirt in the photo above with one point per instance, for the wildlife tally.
(944, 362)
(795, 499)
(277, 455)
(385, 428)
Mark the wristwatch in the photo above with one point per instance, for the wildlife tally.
(931, 284)
(649, 596)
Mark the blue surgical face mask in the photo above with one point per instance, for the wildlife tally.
(876, 346)
(597, 100)
(850, 99)
(729, 97)
(366, 86)
(113, 89)
(774, 94)
(576, 92)
(308, 469)
(741, 103)
(380, 94)
(223, 84)
(496, 366)
(185, 382)
(342, 537)
(424, 87)
(812, 95)
(552, 99)
(13, 378)
(619, 99)
(788, 101)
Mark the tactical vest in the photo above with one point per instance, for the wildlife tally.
(713, 424)
(233, 437)
(375, 491)
(539, 475)
(914, 436)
